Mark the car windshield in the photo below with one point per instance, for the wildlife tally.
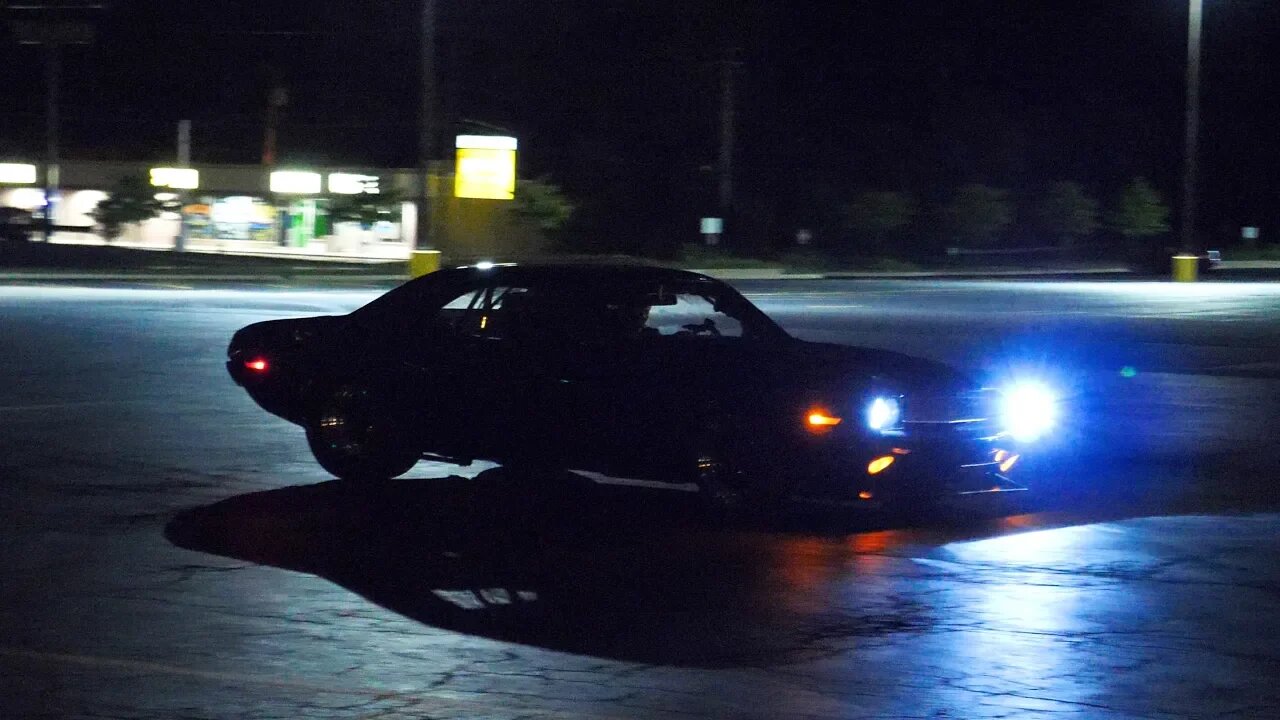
(423, 294)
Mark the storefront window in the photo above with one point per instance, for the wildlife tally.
(238, 217)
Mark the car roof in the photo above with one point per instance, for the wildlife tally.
(583, 273)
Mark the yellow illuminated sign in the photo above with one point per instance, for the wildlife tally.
(484, 173)
(486, 167)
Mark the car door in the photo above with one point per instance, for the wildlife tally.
(626, 391)
(681, 379)
(595, 393)
(462, 374)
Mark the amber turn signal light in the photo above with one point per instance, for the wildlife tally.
(880, 464)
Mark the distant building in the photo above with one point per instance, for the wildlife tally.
(285, 211)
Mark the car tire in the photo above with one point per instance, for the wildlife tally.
(356, 437)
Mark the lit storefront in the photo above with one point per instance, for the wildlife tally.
(232, 208)
(357, 213)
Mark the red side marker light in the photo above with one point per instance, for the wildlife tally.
(256, 364)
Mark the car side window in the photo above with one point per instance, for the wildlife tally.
(484, 313)
(452, 317)
(693, 314)
(541, 317)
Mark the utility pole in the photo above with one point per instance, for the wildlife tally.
(426, 122)
(184, 161)
(724, 169)
(277, 99)
(1191, 152)
(53, 81)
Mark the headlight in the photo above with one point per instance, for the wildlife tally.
(1028, 411)
(884, 414)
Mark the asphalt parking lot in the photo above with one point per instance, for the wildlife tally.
(172, 551)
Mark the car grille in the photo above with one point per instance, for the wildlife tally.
(970, 414)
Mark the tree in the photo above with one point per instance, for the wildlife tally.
(978, 214)
(544, 203)
(132, 201)
(876, 216)
(1067, 213)
(1140, 212)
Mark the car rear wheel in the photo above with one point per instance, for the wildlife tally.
(355, 437)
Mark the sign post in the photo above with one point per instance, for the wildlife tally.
(712, 229)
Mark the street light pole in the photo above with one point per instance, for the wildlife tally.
(54, 25)
(724, 164)
(1191, 152)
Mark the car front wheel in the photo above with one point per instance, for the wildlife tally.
(730, 490)
(355, 437)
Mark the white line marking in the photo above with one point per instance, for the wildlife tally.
(66, 405)
(603, 479)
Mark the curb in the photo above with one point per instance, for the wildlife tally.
(731, 274)
(975, 274)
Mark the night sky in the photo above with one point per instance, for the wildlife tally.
(617, 100)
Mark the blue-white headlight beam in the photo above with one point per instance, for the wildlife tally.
(1028, 410)
(883, 414)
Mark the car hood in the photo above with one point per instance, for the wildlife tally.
(846, 367)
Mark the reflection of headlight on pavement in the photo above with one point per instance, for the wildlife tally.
(883, 414)
(1028, 410)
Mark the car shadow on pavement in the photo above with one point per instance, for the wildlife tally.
(619, 572)
(574, 566)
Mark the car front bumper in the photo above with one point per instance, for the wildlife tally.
(879, 473)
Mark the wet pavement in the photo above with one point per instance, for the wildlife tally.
(170, 551)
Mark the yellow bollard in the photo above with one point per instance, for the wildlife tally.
(1185, 268)
(423, 262)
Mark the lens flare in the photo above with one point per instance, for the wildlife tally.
(1029, 410)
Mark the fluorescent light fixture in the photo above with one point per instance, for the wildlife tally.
(295, 182)
(486, 142)
(175, 178)
(352, 184)
(26, 198)
(17, 174)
